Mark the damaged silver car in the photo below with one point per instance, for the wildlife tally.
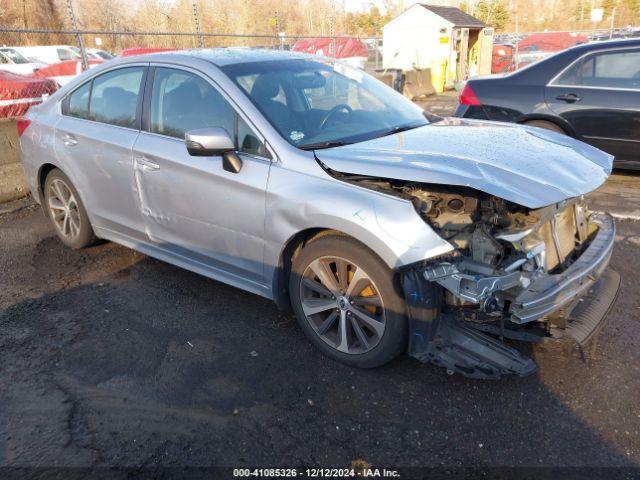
(301, 179)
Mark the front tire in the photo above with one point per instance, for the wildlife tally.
(347, 302)
(66, 211)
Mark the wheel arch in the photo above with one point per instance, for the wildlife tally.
(559, 121)
(43, 173)
(292, 246)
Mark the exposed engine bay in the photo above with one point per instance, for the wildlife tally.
(492, 236)
(515, 273)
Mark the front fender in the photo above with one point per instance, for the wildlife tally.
(386, 224)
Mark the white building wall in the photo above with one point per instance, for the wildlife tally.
(414, 40)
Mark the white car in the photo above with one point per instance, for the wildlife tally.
(49, 53)
(13, 61)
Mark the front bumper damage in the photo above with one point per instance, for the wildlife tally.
(574, 302)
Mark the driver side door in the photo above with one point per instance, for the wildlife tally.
(192, 208)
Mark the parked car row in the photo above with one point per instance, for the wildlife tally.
(11, 60)
(30, 74)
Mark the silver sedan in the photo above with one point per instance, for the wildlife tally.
(304, 180)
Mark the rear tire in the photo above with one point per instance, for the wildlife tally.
(546, 125)
(66, 211)
(347, 302)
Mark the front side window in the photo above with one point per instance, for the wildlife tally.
(318, 104)
(605, 70)
(182, 101)
(114, 97)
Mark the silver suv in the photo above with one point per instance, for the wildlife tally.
(309, 182)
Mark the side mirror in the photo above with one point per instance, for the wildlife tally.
(213, 141)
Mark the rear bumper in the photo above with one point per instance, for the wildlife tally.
(563, 291)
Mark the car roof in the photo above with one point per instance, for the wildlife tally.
(607, 44)
(225, 56)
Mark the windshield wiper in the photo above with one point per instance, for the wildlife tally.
(321, 145)
(401, 128)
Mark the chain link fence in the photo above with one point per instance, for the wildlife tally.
(29, 74)
(516, 49)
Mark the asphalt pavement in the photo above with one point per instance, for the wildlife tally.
(111, 358)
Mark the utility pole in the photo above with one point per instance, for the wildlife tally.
(279, 36)
(515, 56)
(332, 48)
(613, 16)
(196, 23)
(74, 27)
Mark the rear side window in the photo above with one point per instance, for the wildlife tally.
(114, 96)
(605, 70)
(78, 103)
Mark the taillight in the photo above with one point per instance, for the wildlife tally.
(468, 97)
(22, 125)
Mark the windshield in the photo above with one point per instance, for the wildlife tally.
(13, 55)
(320, 104)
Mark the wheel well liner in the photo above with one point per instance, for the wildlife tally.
(283, 269)
(42, 177)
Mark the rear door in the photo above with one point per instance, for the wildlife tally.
(599, 95)
(94, 141)
(191, 206)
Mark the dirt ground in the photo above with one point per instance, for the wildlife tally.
(109, 358)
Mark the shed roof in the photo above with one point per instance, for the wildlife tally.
(455, 16)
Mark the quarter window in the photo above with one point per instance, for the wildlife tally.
(605, 70)
(114, 96)
(248, 142)
(78, 102)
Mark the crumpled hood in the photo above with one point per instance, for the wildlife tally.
(525, 165)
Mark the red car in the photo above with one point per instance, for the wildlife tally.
(19, 92)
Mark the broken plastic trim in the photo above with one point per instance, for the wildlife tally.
(478, 289)
(435, 338)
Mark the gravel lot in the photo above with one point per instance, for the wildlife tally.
(109, 358)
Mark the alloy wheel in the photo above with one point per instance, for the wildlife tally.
(342, 305)
(63, 209)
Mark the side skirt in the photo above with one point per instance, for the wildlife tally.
(185, 262)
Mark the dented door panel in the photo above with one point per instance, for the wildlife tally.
(190, 205)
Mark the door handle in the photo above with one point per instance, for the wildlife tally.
(569, 98)
(147, 165)
(69, 140)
